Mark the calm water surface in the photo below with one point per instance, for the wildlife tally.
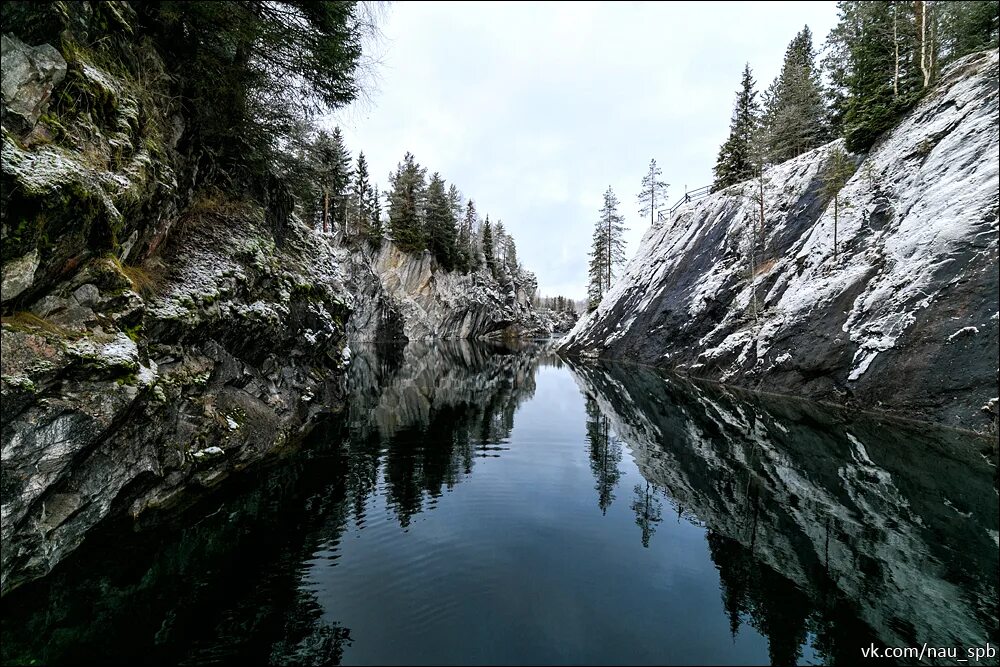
(477, 504)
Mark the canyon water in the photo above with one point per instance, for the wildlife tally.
(481, 503)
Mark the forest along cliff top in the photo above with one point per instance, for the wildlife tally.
(904, 318)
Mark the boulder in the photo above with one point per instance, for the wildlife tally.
(30, 73)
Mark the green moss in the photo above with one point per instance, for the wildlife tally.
(21, 382)
(134, 332)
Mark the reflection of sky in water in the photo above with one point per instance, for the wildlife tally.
(518, 562)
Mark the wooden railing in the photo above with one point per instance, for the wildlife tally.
(689, 195)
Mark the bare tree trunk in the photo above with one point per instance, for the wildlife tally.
(895, 42)
(761, 203)
(326, 208)
(933, 38)
(835, 214)
(923, 43)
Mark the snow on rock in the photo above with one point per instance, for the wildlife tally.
(963, 331)
(916, 247)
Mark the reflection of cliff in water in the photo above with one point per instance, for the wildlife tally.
(815, 521)
(423, 413)
(222, 583)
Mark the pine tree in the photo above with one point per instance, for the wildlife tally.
(440, 223)
(794, 114)
(406, 204)
(653, 190)
(488, 247)
(734, 163)
(607, 249)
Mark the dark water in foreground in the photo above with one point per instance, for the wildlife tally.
(482, 505)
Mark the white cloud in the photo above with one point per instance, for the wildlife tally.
(534, 109)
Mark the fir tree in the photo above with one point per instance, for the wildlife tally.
(734, 163)
(653, 190)
(406, 205)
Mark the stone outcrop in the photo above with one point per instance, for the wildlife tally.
(900, 316)
(398, 296)
(121, 400)
(29, 74)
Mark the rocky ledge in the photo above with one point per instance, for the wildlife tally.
(127, 389)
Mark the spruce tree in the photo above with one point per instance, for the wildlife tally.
(406, 205)
(488, 247)
(794, 115)
(500, 251)
(333, 175)
(375, 231)
(340, 182)
(466, 251)
(607, 249)
(361, 199)
(968, 26)
(653, 191)
(884, 56)
(872, 105)
(440, 223)
(734, 163)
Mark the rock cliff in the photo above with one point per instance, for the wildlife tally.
(163, 330)
(901, 316)
(401, 296)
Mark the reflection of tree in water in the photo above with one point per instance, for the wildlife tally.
(648, 508)
(605, 454)
(448, 405)
(755, 594)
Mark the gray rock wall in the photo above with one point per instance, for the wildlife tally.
(904, 318)
(398, 296)
(119, 399)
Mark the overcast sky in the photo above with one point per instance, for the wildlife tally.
(533, 110)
